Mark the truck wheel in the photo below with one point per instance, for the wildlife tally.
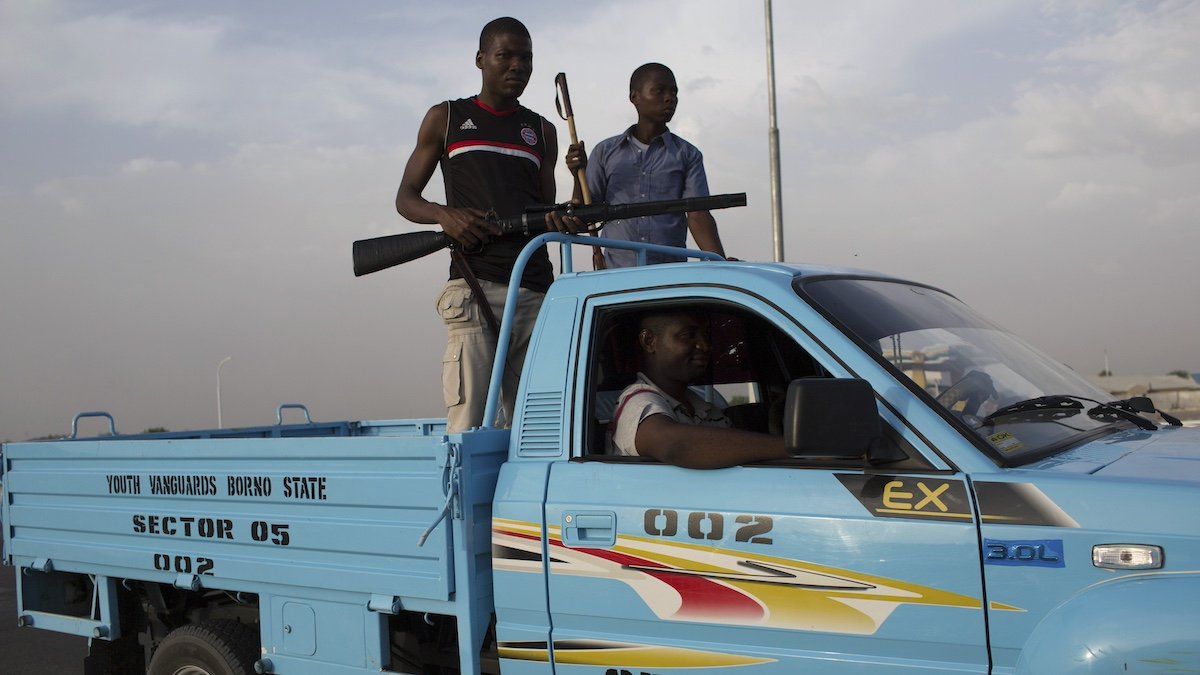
(212, 648)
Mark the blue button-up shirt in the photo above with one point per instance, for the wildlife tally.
(621, 170)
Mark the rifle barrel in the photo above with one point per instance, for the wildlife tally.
(620, 211)
(532, 221)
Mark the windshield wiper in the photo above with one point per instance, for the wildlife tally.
(1054, 404)
(1143, 404)
(1058, 405)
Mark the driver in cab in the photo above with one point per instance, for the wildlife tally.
(658, 416)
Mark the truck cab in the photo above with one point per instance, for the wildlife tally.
(944, 547)
(975, 512)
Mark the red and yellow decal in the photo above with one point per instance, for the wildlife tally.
(692, 582)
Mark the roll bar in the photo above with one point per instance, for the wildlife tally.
(514, 285)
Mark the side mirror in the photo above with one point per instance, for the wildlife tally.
(828, 417)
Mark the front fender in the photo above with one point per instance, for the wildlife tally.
(1142, 623)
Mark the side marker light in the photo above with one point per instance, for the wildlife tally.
(1127, 557)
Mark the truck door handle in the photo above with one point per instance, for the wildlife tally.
(589, 529)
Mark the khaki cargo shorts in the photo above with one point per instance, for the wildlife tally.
(471, 349)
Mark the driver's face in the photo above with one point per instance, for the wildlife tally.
(683, 347)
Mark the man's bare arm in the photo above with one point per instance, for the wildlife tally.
(465, 225)
(420, 167)
(704, 230)
(696, 447)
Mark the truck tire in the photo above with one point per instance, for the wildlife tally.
(222, 647)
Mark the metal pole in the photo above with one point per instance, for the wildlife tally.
(773, 138)
(223, 361)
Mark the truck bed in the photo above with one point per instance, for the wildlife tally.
(331, 511)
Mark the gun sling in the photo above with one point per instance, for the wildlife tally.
(481, 300)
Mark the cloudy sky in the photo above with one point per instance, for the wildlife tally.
(180, 182)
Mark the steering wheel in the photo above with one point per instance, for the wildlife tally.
(972, 390)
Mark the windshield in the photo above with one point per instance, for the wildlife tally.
(969, 365)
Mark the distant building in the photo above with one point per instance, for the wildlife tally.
(1171, 393)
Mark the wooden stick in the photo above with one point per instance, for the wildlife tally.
(563, 102)
(583, 186)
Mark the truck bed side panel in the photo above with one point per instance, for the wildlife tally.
(336, 513)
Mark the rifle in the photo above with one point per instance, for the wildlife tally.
(380, 253)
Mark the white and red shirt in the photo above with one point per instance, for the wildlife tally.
(643, 398)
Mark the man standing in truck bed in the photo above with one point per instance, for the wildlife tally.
(646, 163)
(495, 155)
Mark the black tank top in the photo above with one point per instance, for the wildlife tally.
(492, 161)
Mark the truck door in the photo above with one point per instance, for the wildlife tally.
(776, 568)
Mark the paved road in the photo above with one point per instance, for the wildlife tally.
(29, 651)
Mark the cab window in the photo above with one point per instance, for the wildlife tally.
(751, 365)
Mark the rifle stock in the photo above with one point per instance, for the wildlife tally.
(380, 253)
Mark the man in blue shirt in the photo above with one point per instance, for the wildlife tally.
(648, 163)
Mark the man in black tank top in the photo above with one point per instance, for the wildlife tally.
(495, 155)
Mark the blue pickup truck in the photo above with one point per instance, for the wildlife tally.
(968, 505)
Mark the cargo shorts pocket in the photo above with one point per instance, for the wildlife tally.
(452, 373)
(454, 304)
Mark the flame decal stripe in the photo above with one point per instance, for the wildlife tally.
(700, 597)
(624, 654)
(702, 584)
